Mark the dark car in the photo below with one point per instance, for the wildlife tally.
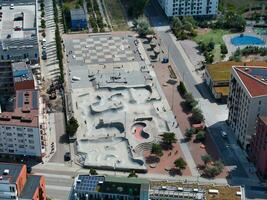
(67, 156)
(29, 169)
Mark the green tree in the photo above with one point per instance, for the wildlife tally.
(200, 136)
(224, 49)
(206, 159)
(132, 174)
(143, 27)
(181, 88)
(168, 138)
(43, 23)
(176, 24)
(92, 172)
(156, 149)
(137, 7)
(180, 163)
(197, 115)
(189, 132)
(189, 100)
(72, 126)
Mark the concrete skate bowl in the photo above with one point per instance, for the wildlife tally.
(138, 129)
(117, 125)
(109, 153)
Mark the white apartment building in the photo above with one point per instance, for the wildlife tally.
(247, 100)
(189, 7)
(20, 130)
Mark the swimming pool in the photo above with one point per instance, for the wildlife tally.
(246, 40)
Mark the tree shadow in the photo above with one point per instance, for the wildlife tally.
(151, 159)
(166, 146)
(186, 109)
(175, 172)
(64, 139)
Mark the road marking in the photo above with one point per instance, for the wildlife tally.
(54, 175)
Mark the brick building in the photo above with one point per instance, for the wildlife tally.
(258, 146)
(15, 183)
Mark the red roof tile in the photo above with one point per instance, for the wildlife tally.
(255, 85)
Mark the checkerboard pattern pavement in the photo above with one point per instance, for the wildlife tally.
(97, 50)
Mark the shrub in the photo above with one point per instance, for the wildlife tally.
(197, 115)
(224, 49)
(189, 132)
(200, 136)
(92, 172)
(72, 126)
(43, 23)
(181, 88)
(180, 163)
(206, 158)
(190, 101)
(156, 149)
(168, 138)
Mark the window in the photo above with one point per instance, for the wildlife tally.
(20, 135)
(19, 129)
(8, 128)
(31, 147)
(31, 141)
(12, 189)
(29, 129)
(30, 135)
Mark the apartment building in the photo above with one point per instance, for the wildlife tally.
(19, 31)
(16, 184)
(21, 131)
(258, 146)
(88, 187)
(189, 7)
(247, 101)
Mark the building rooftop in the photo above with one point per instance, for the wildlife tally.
(254, 79)
(18, 25)
(13, 172)
(32, 184)
(222, 71)
(21, 72)
(224, 90)
(110, 184)
(77, 14)
(26, 110)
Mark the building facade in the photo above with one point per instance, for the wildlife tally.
(247, 100)
(16, 184)
(258, 146)
(189, 7)
(19, 31)
(20, 130)
(88, 187)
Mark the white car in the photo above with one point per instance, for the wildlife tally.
(11, 6)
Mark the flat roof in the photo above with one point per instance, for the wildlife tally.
(77, 14)
(25, 112)
(133, 180)
(14, 171)
(32, 184)
(21, 72)
(254, 79)
(222, 71)
(18, 23)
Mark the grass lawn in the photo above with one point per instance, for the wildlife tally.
(240, 3)
(116, 15)
(217, 53)
(215, 35)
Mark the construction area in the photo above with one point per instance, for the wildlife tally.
(117, 101)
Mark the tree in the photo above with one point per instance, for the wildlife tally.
(132, 174)
(143, 27)
(189, 132)
(200, 136)
(168, 138)
(176, 24)
(181, 88)
(92, 172)
(180, 163)
(156, 149)
(197, 115)
(43, 23)
(189, 100)
(72, 126)
(137, 7)
(224, 49)
(206, 159)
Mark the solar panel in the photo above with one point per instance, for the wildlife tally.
(259, 72)
(34, 100)
(20, 99)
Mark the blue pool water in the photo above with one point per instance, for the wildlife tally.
(247, 40)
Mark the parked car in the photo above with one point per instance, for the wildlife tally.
(67, 156)
(11, 6)
(223, 134)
